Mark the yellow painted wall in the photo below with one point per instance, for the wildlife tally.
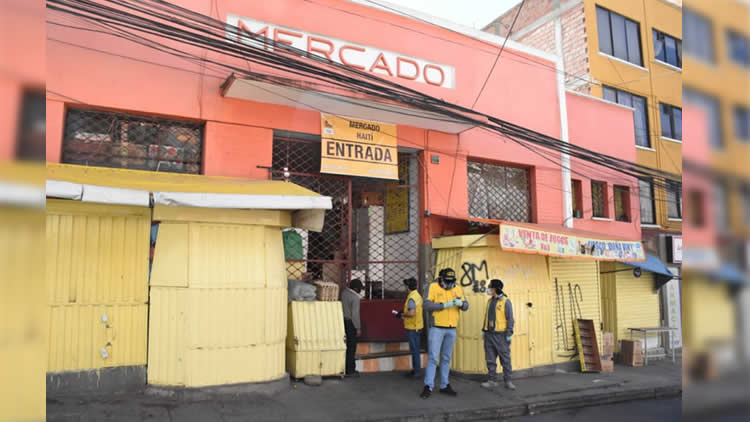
(571, 302)
(526, 279)
(654, 80)
(218, 302)
(708, 314)
(635, 302)
(97, 284)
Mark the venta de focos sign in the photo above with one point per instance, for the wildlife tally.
(369, 59)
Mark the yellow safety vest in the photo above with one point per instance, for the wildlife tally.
(501, 324)
(416, 322)
(446, 317)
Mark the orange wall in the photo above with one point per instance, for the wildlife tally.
(237, 151)
(605, 128)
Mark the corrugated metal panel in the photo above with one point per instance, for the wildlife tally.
(637, 303)
(315, 362)
(275, 261)
(527, 282)
(97, 255)
(96, 336)
(577, 296)
(167, 334)
(315, 326)
(609, 297)
(217, 366)
(97, 284)
(170, 256)
(227, 255)
(707, 315)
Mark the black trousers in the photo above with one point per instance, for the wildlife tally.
(351, 345)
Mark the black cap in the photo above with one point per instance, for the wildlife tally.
(411, 283)
(448, 275)
(356, 284)
(496, 284)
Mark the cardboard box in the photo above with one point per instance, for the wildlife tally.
(608, 365)
(631, 353)
(608, 343)
(372, 198)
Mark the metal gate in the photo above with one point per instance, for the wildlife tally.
(372, 231)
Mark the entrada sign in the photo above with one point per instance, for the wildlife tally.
(358, 148)
(366, 58)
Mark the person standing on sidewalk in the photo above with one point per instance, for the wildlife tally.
(350, 304)
(497, 332)
(413, 324)
(444, 299)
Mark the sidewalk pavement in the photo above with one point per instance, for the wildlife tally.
(386, 397)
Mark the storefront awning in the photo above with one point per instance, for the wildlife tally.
(552, 240)
(653, 264)
(729, 273)
(140, 188)
(340, 105)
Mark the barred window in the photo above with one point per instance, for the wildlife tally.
(622, 203)
(499, 192)
(109, 139)
(646, 194)
(599, 199)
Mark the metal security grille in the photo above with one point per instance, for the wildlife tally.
(371, 233)
(108, 139)
(498, 192)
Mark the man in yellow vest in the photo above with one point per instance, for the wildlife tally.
(413, 324)
(497, 331)
(444, 299)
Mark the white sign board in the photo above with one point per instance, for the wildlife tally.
(674, 311)
(676, 249)
(366, 58)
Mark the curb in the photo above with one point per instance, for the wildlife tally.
(533, 407)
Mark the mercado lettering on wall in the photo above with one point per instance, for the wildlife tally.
(366, 58)
(356, 147)
(523, 239)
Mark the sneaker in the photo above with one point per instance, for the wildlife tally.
(510, 386)
(426, 392)
(489, 384)
(448, 390)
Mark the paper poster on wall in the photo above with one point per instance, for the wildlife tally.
(356, 147)
(524, 239)
(397, 201)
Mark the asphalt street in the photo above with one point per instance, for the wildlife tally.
(665, 410)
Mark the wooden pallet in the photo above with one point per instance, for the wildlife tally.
(588, 348)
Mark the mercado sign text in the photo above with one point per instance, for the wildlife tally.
(358, 148)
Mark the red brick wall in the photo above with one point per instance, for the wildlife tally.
(532, 10)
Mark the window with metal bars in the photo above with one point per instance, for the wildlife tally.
(622, 203)
(112, 139)
(599, 199)
(499, 192)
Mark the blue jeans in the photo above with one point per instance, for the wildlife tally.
(414, 337)
(440, 341)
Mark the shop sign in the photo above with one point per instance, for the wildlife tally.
(397, 201)
(366, 58)
(523, 239)
(356, 147)
(674, 311)
(675, 249)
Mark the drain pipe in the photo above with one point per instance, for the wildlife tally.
(565, 158)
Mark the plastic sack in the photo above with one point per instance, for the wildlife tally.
(300, 290)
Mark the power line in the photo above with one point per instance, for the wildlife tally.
(510, 31)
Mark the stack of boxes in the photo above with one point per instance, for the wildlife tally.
(631, 353)
(608, 351)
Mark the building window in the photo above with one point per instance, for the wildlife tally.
(667, 49)
(646, 195)
(498, 192)
(739, 48)
(710, 106)
(577, 199)
(742, 122)
(696, 203)
(599, 199)
(622, 203)
(671, 121)
(746, 203)
(640, 116)
(108, 139)
(30, 139)
(674, 199)
(619, 36)
(721, 206)
(698, 36)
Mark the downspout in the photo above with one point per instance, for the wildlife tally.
(565, 158)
